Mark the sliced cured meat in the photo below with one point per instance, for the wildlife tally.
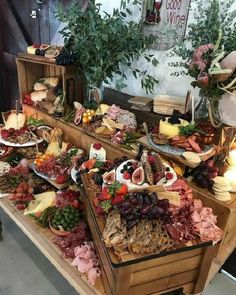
(93, 274)
(178, 185)
(194, 145)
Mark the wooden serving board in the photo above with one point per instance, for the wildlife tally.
(180, 159)
(90, 192)
(184, 267)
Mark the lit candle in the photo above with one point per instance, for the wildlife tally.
(193, 108)
(230, 176)
(232, 158)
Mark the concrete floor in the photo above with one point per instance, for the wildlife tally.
(25, 271)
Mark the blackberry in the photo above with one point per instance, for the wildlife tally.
(66, 57)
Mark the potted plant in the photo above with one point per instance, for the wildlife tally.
(107, 45)
(209, 51)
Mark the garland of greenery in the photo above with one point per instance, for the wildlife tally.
(107, 46)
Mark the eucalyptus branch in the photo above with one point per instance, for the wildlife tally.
(105, 44)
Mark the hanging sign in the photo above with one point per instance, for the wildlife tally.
(167, 19)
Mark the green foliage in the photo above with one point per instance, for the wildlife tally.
(214, 23)
(209, 20)
(107, 46)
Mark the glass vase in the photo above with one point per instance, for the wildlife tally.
(208, 109)
(201, 109)
(94, 92)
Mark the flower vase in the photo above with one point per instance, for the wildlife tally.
(94, 93)
(201, 109)
(208, 109)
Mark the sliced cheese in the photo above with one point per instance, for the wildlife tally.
(39, 86)
(103, 108)
(39, 95)
(31, 49)
(41, 202)
(50, 81)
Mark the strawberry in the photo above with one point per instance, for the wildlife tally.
(61, 179)
(76, 204)
(11, 130)
(20, 206)
(96, 201)
(169, 175)
(35, 45)
(99, 210)
(126, 175)
(30, 102)
(5, 134)
(151, 159)
(27, 97)
(122, 190)
(105, 195)
(117, 200)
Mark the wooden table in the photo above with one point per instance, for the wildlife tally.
(42, 238)
(226, 212)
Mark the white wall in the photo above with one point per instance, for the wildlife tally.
(168, 84)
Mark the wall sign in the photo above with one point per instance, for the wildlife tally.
(167, 19)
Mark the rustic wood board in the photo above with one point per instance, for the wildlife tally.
(143, 140)
(77, 135)
(42, 239)
(129, 259)
(41, 59)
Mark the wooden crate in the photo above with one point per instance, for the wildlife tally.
(226, 216)
(30, 68)
(78, 135)
(186, 267)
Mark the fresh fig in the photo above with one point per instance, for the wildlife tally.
(109, 177)
(138, 176)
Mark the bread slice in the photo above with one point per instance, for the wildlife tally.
(15, 121)
(39, 86)
(38, 95)
(50, 82)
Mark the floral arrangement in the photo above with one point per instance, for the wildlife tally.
(212, 70)
(208, 48)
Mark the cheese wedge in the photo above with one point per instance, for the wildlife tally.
(41, 202)
(15, 121)
(170, 130)
(103, 108)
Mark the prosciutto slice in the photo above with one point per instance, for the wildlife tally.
(191, 219)
(87, 261)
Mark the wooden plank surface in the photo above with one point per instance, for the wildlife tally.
(205, 264)
(180, 159)
(78, 135)
(165, 270)
(166, 283)
(42, 239)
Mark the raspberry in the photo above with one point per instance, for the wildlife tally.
(5, 134)
(97, 146)
(126, 175)
(151, 159)
(169, 176)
